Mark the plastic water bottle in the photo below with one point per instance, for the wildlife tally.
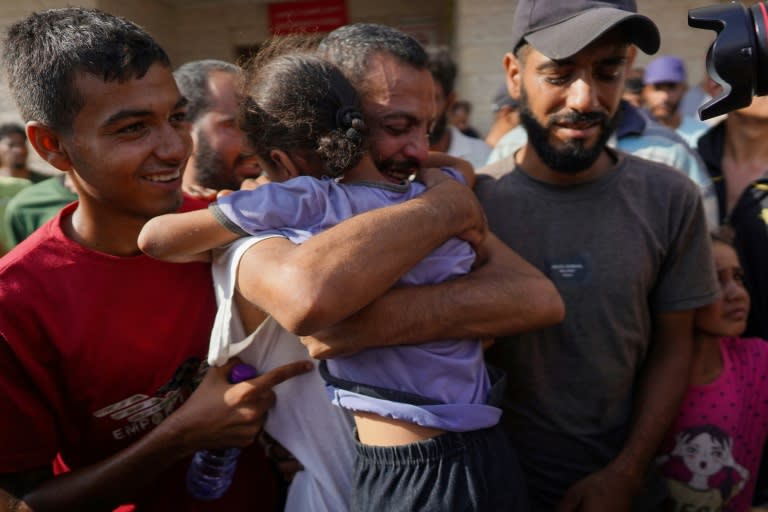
(211, 471)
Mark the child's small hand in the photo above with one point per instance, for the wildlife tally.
(200, 192)
(437, 159)
(432, 176)
(252, 183)
(247, 184)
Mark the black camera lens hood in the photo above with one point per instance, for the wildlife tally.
(733, 58)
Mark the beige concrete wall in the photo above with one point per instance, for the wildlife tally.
(480, 41)
(157, 18)
(213, 31)
(482, 37)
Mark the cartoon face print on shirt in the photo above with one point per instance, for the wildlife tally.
(701, 471)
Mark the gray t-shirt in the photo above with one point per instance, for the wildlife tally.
(621, 248)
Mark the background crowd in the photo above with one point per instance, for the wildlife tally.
(567, 312)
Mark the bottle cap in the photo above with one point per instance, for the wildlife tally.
(242, 372)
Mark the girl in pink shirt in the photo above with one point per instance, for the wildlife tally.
(710, 457)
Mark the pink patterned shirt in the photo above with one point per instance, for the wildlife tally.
(710, 457)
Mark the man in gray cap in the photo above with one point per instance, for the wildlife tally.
(506, 115)
(625, 242)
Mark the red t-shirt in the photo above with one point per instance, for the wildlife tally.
(99, 349)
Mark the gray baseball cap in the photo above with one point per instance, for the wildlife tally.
(502, 98)
(560, 29)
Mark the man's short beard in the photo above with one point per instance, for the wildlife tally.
(575, 156)
(212, 171)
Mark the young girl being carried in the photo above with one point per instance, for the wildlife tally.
(428, 430)
(710, 457)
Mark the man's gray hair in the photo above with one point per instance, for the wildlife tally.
(350, 48)
(192, 80)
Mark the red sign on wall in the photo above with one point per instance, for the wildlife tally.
(311, 16)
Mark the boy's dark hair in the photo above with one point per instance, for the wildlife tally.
(192, 80)
(442, 67)
(7, 129)
(301, 104)
(42, 54)
(351, 47)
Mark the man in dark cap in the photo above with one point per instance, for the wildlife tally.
(633, 87)
(625, 242)
(444, 136)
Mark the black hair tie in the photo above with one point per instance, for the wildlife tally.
(346, 116)
(353, 135)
